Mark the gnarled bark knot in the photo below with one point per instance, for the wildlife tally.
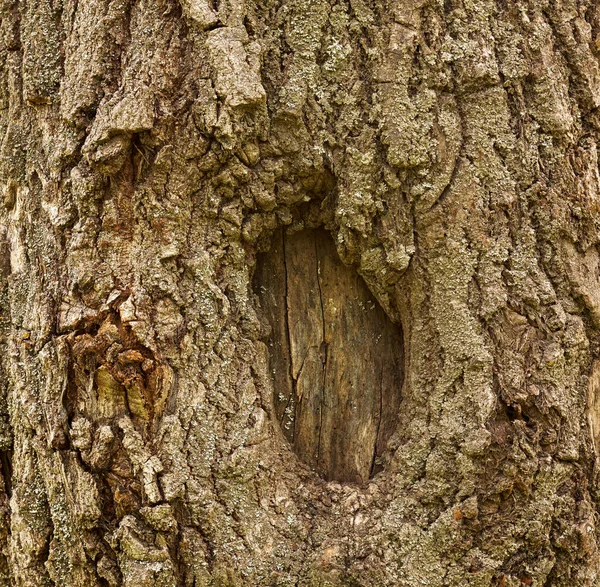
(336, 357)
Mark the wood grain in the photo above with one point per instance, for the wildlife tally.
(336, 358)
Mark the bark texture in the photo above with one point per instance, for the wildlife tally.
(150, 149)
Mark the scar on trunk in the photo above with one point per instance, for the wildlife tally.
(336, 357)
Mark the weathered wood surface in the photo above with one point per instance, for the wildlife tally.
(336, 357)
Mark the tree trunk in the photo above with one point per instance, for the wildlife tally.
(152, 152)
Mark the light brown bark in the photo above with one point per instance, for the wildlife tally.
(150, 150)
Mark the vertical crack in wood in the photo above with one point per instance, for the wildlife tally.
(322, 350)
(293, 394)
(379, 419)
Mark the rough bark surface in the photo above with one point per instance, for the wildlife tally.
(151, 149)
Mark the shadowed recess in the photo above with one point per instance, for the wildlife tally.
(336, 357)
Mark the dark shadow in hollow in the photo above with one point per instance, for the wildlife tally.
(6, 459)
(336, 357)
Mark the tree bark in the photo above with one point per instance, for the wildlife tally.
(150, 152)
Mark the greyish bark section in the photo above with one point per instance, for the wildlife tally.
(149, 150)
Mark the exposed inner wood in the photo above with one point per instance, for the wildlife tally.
(336, 357)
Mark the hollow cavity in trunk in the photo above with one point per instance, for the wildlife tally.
(336, 357)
